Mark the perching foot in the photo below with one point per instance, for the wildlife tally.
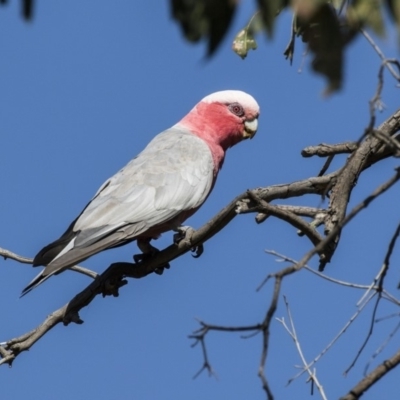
(148, 252)
(185, 233)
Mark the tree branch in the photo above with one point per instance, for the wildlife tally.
(339, 183)
(388, 63)
(26, 260)
(380, 371)
(325, 150)
(293, 334)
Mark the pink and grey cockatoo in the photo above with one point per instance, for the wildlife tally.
(160, 188)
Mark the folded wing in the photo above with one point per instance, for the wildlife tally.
(151, 194)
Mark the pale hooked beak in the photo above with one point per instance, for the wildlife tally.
(250, 128)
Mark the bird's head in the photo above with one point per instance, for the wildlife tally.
(224, 118)
(237, 107)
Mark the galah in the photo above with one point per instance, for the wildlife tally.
(160, 188)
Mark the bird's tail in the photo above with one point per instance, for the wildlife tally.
(46, 256)
(68, 255)
(36, 281)
(52, 250)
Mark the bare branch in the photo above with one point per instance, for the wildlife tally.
(84, 271)
(373, 286)
(382, 346)
(266, 331)
(26, 260)
(387, 62)
(339, 184)
(12, 348)
(377, 285)
(357, 391)
(321, 275)
(109, 282)
(336, 338)
(200, 338)
(380, 278)
(326, 165)
(386, 261)
(311, 212)
(287, 216)
(364, 204)
(346, 180)
(292, 332)
(366, 340)
(390, 142)
(326, 150)
(9, 254)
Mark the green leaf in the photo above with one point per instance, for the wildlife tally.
(208, 19)
(305, 9)
(321, 31)
(244, 42)
(269, 10)
(368, 13)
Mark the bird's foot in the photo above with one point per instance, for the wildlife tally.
(140, 258)
(148, 252)
(185, 233)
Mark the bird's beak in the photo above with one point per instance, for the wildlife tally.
(250, 128)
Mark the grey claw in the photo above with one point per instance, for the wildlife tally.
(186, 233)
(178, 237)
(198, 250)
(183, 233)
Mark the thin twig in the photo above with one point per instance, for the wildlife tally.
(364, 204)
(200, 338)
(365, 299)
(26, 260)
(312, 212)
(381, 370)
(386, 261)
(287, 216)
(321, 275)
(12, 256)
(335, 339)
(293, 335)
(326, 150)
(381, 347)
(369, 334)
(84, 271)
(326, 165)
(389, 65)
(385, 266)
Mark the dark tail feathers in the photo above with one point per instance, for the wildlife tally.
(35, 282)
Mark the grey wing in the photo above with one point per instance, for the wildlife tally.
(173, 174)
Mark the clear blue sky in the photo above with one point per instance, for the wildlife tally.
(83, 88)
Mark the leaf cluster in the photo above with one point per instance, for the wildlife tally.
(325, 26)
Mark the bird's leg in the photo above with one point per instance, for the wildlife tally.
(185, 233)
(148, 251)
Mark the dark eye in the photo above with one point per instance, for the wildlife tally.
(236, 109)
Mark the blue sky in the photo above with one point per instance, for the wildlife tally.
(83, 89)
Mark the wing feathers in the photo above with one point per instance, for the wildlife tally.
(173, 175)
